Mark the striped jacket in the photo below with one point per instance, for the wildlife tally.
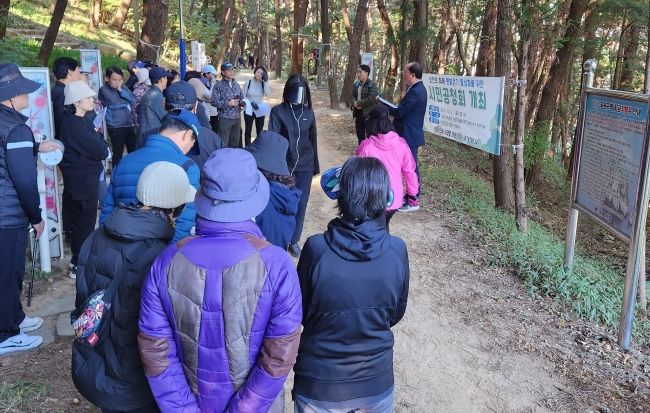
(220, 321)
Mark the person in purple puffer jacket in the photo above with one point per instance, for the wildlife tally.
(221, 311)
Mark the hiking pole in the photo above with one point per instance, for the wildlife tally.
(30, 290)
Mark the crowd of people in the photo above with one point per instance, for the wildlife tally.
(187, 297)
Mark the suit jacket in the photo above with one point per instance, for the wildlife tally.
(409, 115)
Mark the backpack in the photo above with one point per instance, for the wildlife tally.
(88, 320)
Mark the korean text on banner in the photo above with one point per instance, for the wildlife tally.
(465, 109)
(610, 160)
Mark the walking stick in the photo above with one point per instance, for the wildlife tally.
(30, 290)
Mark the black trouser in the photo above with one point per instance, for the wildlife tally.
(303, 182)
(83, 224)
(214, 124)
(414, 151)
(360, 125)
(121, 137)
(259, 126)
(149, 408)
(230, 132)
(13, 242)
(389, 215)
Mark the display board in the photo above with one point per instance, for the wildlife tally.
(465, 109)
(40, 121)
(91, 61)
(611, 154)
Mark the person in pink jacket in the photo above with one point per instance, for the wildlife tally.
(392, 150)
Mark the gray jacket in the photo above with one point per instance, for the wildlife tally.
(118, 106)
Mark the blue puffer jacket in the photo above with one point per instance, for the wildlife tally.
(124, 182)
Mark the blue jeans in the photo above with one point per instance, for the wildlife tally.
(381, 403)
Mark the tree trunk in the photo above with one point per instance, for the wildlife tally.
(355, 47)
(520, 122)
(503, 184)
(278, 40)
(52, 31)
(154, 22)
(95, 14)
(459, 37)
(4, 17)
(559, 75)
(223, 35)
(616, 79)
(630, 57)
(135, 5)
(234, 41)
(485, 59)
(391, 75)
(121, 15)
(327, 52)
(440, 47)
(418, 32)
(299, 20)
(646, 77)
(346, 19)
(366, 34)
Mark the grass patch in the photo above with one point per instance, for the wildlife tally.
(593, 290)
(25, 53)
(22, 396)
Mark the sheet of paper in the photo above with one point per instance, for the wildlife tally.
(263, 109)
(99, 119)
(387, 103)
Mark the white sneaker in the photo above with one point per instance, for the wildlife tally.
(73, 271)
(30, 324)
(409, 208)
(20, 342)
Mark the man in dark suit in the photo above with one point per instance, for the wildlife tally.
(409, 115)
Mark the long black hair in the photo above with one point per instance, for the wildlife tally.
(364, 189)
(291, 88)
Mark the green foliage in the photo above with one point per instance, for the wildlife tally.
(25, 53)
(593, 289)
(536, 143)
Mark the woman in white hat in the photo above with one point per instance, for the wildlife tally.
(109, 373)
(81, 167)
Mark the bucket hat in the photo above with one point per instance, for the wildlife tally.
(164, 185)
(13, 83)
(270, 152)
(232, 189)
(76, 91)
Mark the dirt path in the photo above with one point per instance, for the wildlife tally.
(472, 340)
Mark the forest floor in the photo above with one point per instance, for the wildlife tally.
(472, 339)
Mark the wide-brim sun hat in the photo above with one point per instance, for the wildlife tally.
(270, 152)
(77, 91)
(232, 188)
(13, 83)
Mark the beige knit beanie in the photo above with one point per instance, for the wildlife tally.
(164, 185)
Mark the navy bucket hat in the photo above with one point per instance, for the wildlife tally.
(13, 83)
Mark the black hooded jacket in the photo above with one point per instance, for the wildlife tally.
(354, 281)
(110, 375)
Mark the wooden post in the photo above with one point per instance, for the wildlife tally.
(520, 184)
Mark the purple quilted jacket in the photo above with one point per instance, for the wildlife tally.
(220, 321)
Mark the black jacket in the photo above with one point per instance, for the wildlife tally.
(58, 107)
(354, 281)
(111, 375)
(82, 159)
(302, 155)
